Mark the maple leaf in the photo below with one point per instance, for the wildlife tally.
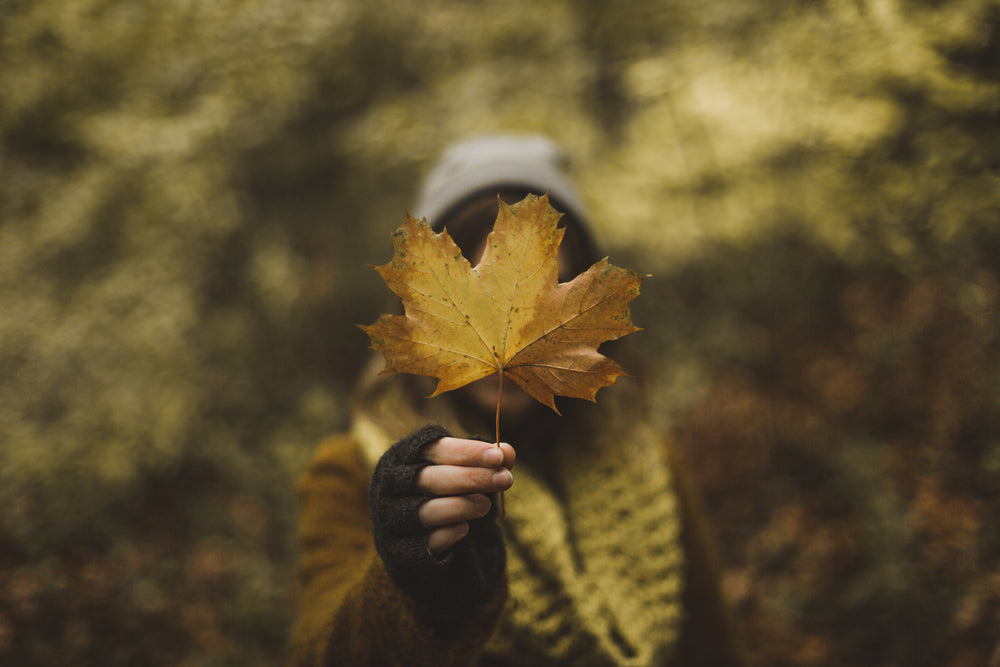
(508, 315)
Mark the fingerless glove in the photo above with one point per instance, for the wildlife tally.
(454, 583)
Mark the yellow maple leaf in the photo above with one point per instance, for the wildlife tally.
(509, 314)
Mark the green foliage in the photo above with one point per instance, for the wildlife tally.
(190, 193)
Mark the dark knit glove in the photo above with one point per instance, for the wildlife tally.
(449, 585)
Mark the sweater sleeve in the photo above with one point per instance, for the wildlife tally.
(349, 610)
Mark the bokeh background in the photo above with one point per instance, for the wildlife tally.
(191, 192)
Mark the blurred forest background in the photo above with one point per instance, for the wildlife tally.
(190, 193)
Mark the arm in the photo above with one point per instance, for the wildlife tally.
(351, 608)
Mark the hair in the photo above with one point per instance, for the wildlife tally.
(471, 220)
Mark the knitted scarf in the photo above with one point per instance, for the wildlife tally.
(595, 564)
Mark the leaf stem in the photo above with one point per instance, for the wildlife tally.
(503, 502)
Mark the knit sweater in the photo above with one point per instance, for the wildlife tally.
(604, 557)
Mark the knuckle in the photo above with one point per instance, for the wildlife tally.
(440, 450)
(471, 451)
(427, 514)
(475, 479)
(451, 509)
(430, 452)
(437, 541)
(445, 537)
(425, 479)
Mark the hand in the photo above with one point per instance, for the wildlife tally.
(461, 473)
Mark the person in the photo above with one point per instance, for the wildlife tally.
(604, 556)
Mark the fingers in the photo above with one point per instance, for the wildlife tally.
(438, 512)
(461, 452)
(460, 467)
(448, 480)
(448, 517)
(445, 538)
(461, 473)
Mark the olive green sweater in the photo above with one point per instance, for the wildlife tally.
(609, 560)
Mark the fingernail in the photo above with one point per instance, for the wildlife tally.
(502, 479)
(492, 457)
(482, 504)
(461, 528)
